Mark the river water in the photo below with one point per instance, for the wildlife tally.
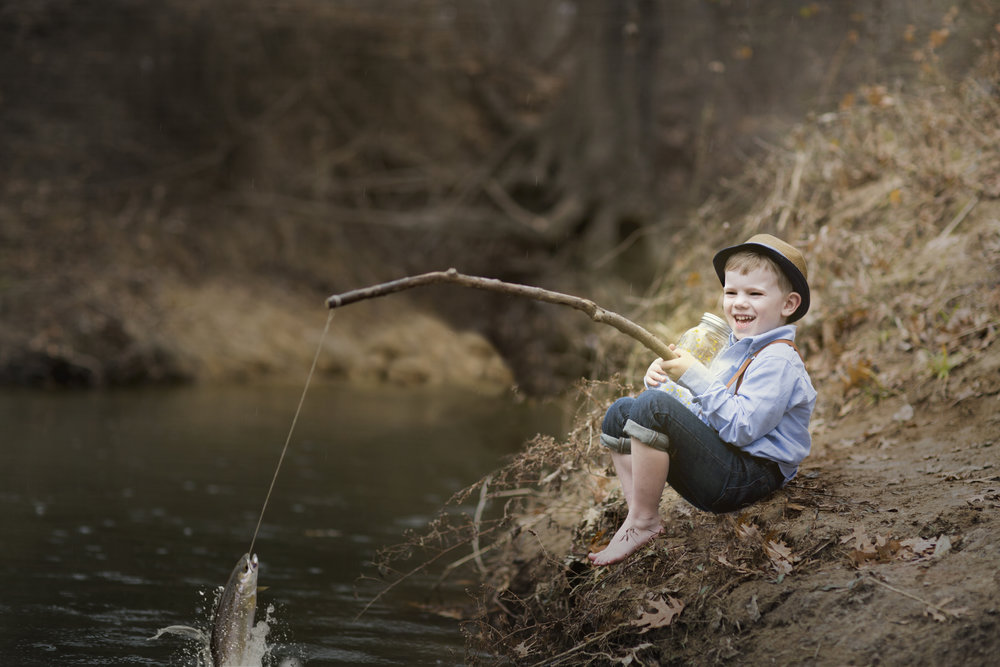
(124, 512)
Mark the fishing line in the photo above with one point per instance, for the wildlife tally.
(291, 430)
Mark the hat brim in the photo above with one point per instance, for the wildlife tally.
(799, 283)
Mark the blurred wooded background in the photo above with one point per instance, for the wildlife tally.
(325, 144)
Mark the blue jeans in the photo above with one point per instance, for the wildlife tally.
(710, 474)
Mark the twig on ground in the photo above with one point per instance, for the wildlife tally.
(789, 205)
(922, 601)
(476, 519)
(422, 566)
(957, 220)
(479, 552)
(556, 659)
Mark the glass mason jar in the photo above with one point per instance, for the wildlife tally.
(707, 339)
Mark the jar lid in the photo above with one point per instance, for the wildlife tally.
(717, 324)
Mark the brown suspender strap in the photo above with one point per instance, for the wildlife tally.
(738, 378)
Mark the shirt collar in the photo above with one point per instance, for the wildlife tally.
(755, 343)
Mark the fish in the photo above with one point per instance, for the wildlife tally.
(234, 614)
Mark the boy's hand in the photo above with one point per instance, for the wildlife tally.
(660, 371)
(675, 368)
(655, 375)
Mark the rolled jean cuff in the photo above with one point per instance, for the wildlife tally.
(617, 445)
(647, 436)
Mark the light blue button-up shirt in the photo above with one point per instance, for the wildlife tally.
(769, 417)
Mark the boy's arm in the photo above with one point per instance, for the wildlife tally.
(768, 388)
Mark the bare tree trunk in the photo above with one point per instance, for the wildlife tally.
(608, 156)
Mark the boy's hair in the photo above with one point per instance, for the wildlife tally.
(746, 261)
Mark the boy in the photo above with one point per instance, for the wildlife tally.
(748, 429)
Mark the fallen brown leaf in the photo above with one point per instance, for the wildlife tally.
(781, 556)
(663, 614)
(523, 649)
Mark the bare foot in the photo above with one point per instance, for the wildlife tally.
(627, 541)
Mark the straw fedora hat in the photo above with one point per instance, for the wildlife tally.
(785, 256)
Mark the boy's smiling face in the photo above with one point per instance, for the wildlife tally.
(754, 303)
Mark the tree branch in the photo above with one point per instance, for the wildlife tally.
(595, 312)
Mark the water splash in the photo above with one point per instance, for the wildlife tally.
(257, 652)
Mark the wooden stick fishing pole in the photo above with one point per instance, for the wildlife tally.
(452, 276)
